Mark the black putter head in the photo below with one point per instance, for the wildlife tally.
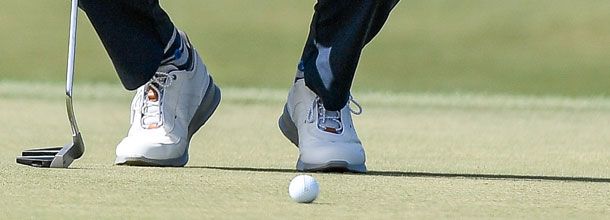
(54, 157)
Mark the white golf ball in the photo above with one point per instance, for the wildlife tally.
(303, 189)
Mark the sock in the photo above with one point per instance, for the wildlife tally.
(178, 51)
(300, 74)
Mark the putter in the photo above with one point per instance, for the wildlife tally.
(61, 157)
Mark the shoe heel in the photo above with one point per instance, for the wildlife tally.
(206, 108)
(288, 128)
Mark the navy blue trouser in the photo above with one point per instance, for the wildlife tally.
(135, 33)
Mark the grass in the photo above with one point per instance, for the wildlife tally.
(546, 47)
(473, 109)
(430, 156)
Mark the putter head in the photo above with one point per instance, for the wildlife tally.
(54, 157)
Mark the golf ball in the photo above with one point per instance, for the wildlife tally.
(303, 189)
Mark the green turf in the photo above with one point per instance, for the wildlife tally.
(430, 156)
(467, 112)
(556, 47)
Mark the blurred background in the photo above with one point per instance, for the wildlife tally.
(523, 47)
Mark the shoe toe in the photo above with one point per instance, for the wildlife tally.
(159, 148)
(323, 152)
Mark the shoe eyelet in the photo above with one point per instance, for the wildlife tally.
(174, 77)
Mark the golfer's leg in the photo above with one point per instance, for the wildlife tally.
(134, 33)
(175, 94)
(316, 117)
(339, 31)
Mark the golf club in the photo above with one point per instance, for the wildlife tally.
(61, 157)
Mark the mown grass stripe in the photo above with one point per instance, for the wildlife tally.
(105, 92)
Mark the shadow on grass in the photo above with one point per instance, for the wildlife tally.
(425, 174)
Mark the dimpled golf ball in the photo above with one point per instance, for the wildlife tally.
(303, 189)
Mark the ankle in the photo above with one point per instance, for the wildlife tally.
(178, 51)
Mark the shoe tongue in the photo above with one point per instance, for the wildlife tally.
(331, 122)
(152, 95)
(152, 117)
(151, 121)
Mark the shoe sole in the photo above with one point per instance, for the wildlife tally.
(290, 131)
(206, 108)
(331, 167)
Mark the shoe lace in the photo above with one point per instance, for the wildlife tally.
(330, 121)
(151, 108)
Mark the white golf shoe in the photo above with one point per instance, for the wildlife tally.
(165, 113)
(327, 140)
